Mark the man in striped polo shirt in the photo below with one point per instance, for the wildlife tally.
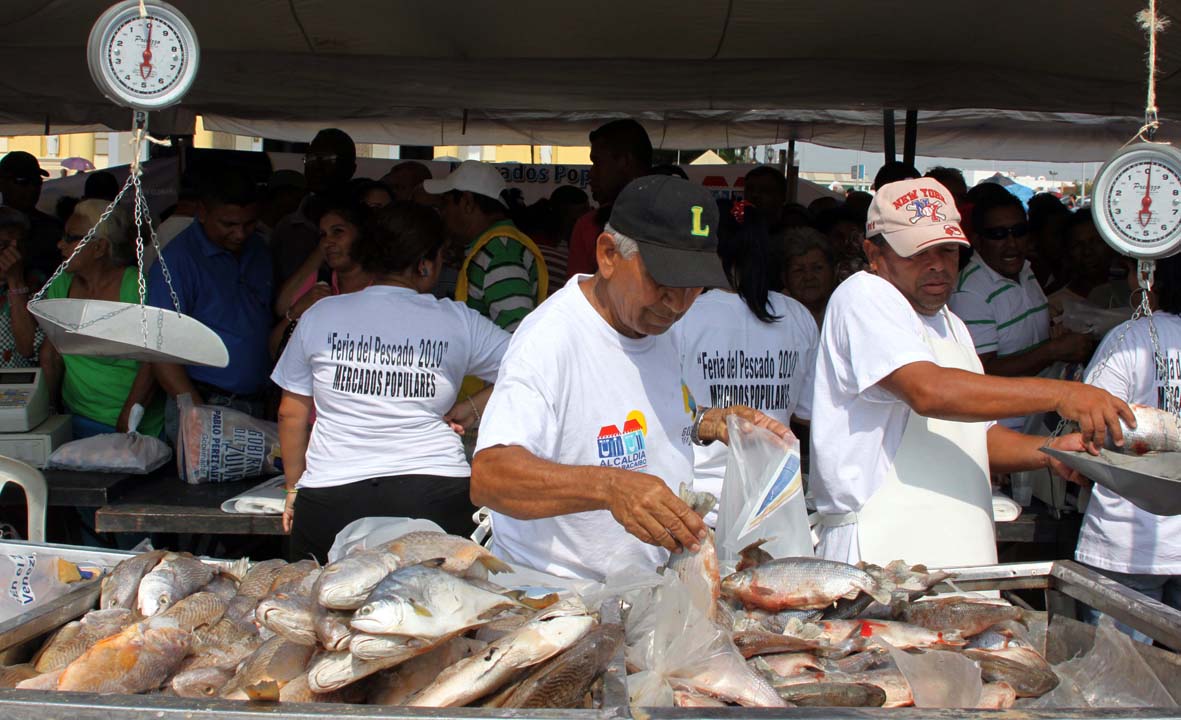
(503, 274)
(999, 299)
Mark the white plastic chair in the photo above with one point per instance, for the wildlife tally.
(32, 482)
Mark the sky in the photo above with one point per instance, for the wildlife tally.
(817, 158)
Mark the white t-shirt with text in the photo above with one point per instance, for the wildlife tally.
(1117, 535)
(730, 357)
(573, 391)
(383, 365)
(870, 330)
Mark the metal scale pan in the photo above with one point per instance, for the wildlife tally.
(117, 329)
(1152, 482)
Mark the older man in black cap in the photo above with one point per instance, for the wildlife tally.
(20, 184)
(590, 426)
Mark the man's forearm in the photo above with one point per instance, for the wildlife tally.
(951, 394)
(174, 379)
(514, 481)
(1011, 451)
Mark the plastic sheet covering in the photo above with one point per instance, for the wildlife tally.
(939, 679)
(678, 647)
(1111, 675)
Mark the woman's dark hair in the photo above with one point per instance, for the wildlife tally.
(398, 237)
(1167, 284)
(743, 247)
(352, 210)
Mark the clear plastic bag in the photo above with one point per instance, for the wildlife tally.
(678, 648)
(31, 579)
(939, 679)
(762, 496)
(1111, 675)
(218, 444)
(127, 452)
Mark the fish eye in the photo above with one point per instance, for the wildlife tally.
(364, 610)
(208, 690)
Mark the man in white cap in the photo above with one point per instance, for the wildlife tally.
(503, 275)
(903, 431)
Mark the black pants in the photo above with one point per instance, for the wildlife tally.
(321, 513)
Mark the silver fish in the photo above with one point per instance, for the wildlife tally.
(804, 583)
(551, 632)
(698, 571)
(900, 635)
(335, 670)
(120, 588)
(201, 682)
(425, 602)
(344, 584)
(1156, 431)
(726, 677)
(257, 581)
(332, 629)
(563, 681)
(959, 615)
(176, 576)
(275, 663)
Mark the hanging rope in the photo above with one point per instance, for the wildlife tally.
(1151, 23)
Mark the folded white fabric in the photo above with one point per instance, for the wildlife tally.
(1005, 508)
(267, 498)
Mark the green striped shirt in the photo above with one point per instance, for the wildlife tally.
(502, 281)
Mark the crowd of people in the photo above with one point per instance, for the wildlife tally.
(921, 337)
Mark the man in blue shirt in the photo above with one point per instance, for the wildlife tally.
(222, 274)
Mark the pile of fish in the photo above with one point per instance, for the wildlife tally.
(411, 622)
(811, 632)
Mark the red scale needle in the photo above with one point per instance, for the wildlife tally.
(1145, 214)
(145, 67)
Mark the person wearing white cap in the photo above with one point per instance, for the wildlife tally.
(503, 275)
(903, 431)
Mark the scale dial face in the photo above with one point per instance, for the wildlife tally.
(1137, 201)
(147, 62)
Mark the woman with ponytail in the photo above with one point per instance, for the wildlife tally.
(746, 345)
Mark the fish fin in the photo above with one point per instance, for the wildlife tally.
(420, 609)
(760, 590)
(494, 564)
(539, 603)
(263, 691)
(881, 594)
(434, 562)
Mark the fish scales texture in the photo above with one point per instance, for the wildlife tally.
(258, 579)
(176, 576)
(299, 690)
(77, 637)
(138, 659)
(277, 660)
(968, 618)
(834, 694)
(291, 574)
(121, 587)
(201, 682)
(396, 685)
(292, 615)
(197, 610)
(344, 584)
(538, 640)
(1156, 431)
(754, 642)
(800, 584)
(1023, 669)
(334, 670)
(459, 554)
(332, 628)
(10, 675)
(563, 681)
(224, 586)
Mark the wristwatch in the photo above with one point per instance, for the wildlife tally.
(695, 431)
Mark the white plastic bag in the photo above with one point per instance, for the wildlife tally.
(30, 579)
(218, 444)
(763, 495)
(127, 452)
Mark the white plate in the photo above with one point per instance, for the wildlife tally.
(102, 328)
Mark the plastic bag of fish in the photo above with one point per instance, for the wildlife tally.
(412, 622)
(810, 632)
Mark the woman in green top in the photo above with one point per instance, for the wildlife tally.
(100, 392)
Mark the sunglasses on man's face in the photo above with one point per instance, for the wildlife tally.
(1000, 233)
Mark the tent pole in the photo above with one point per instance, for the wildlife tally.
(793, 185)
(888, 148)
(910, 137)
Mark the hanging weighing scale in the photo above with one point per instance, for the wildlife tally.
(1136, 206)
(143, 55)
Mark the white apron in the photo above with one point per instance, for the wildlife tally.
(935, 505)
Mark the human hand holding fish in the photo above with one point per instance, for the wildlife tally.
(650, 511)
(1097, 412)
(1070, 443)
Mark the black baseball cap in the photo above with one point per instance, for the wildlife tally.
(675, 224)
(20, 165)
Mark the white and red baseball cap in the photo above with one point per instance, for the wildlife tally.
(914, 215)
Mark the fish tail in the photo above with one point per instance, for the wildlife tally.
(494, 564)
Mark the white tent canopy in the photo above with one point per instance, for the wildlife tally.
(543, 72)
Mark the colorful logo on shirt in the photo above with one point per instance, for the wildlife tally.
(925, 208)
(628, 449)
